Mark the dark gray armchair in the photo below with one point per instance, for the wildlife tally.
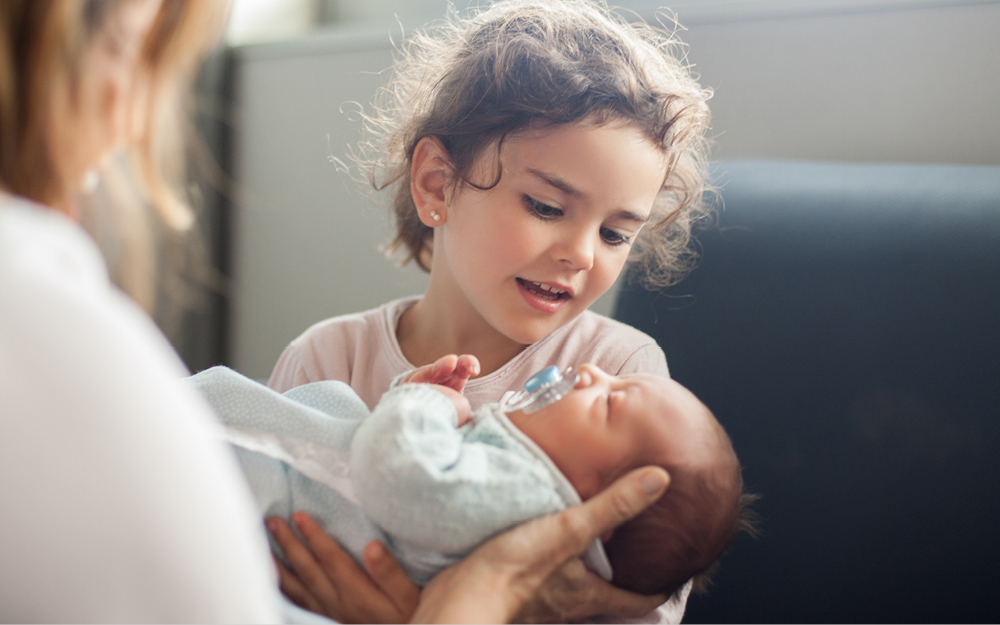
(844, 326)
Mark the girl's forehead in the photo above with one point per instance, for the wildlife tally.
(587, 152)
(542, 130)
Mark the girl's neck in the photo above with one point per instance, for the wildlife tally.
(432, 328)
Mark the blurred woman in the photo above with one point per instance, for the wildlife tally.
(120, 500)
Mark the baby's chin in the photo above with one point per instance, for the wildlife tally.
(585, 485)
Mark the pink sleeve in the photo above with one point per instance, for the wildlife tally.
(288, 372)
(647, 359)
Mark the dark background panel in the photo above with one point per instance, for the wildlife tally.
(843, 326)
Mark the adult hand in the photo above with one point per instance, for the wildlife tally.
(573, 593)
(500, 579)
(323, 578)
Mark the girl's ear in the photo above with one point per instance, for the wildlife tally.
(430, 175)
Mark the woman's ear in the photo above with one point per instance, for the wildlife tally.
(430, 175)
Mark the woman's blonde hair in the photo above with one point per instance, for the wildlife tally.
(41, 45)
(472, 81)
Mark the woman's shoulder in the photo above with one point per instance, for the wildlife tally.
(44, 249)
(88, 379)
(58, 295)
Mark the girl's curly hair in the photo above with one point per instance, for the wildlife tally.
(472, 81)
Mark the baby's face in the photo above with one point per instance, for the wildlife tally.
(609, 425)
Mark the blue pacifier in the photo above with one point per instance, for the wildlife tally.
(542, 389)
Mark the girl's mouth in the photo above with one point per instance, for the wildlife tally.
(543, 291)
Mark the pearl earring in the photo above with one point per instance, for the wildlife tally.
(90, 181)
(435, 216)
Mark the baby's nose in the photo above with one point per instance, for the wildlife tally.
(589, 374)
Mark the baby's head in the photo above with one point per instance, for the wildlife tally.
(473, 82)
(607, 426)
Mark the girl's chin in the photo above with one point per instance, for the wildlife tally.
(530, 327)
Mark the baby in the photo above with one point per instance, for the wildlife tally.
(432, 480)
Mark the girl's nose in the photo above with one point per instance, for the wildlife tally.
(576, 251)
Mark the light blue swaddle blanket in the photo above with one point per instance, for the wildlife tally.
(403, 474)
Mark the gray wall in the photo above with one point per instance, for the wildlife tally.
(878, 84)
(909, 85)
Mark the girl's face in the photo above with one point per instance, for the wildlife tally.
(535, 251)
(105, 99)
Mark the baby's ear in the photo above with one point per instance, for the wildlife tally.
(430, 174)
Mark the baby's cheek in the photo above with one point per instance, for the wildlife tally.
(578, 467)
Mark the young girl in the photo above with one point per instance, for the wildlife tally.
(534, 148)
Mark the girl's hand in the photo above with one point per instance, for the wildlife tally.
(451, 371)
(323, 578)
(533, 571)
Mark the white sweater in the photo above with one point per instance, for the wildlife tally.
(120, 503)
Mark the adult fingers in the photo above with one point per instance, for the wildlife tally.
(389, 576)
(616, 504)
(335, 562)
(573, 593)
(603, 598)
(544, 545)
(493, 583)
(292, 588)
(356, 597)
(302, 563)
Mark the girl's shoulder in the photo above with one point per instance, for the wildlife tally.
(376, 325)
(592, 332)
(358, 348)
(594, 327)
(615, 347)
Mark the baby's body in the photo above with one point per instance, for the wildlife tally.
(432, 480)
(405, 473)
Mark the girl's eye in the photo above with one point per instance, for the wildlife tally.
(542, 211)
(614, 238)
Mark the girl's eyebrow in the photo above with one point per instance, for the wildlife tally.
(631, 216)
(569, 189)
(555, 181)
